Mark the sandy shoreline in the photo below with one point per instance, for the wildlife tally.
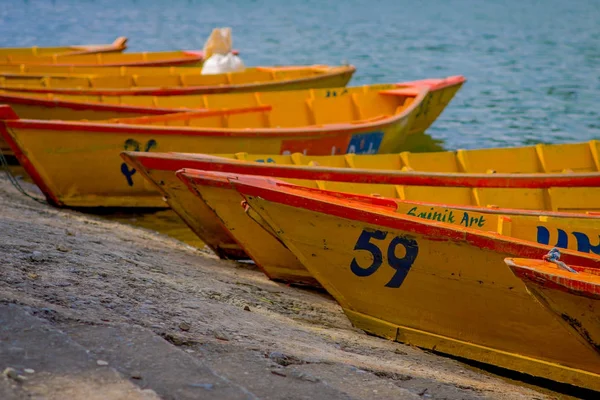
(90, 280)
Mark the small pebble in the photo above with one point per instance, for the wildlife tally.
(37, 256)
(29, 370)
(184, 326)
(221, 336)
(62, 248)
(102, 362)
(304, 376)
(190, 351)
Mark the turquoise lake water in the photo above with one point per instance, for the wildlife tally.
(533, 67)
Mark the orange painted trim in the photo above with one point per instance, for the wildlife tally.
(220, 179)
(585, 283)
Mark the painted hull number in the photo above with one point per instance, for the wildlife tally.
(402, 265)
(134, 145)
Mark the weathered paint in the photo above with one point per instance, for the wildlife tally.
(573, 298)
(457, 297)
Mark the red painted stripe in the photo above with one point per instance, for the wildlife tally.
(174, 162)
(432, 230)
(220, 179)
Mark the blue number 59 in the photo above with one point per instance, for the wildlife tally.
(401, 265)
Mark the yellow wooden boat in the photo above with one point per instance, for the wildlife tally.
(477, 190)
(159, 58)
(571, 293)
(62, 156)
(431, 284)
(187, 81)
(115, 47)
(217, 209)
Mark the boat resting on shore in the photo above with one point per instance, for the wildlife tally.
(78, 164)
(216, 209)
(426, 283)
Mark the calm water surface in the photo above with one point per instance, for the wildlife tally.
(533, 67)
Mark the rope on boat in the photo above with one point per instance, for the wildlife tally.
(553, 256)
(14, 181)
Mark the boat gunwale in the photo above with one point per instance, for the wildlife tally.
(555, 278)
(388, 202)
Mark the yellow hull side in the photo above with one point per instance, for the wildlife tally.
(578, 313)
(277, 262)
(196, 214)
(457, 298)
(84, 169)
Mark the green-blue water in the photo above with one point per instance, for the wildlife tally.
(533, 67)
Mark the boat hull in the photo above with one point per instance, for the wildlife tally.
(425, 284)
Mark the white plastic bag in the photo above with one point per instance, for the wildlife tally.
(219, 58)
(220, 64)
